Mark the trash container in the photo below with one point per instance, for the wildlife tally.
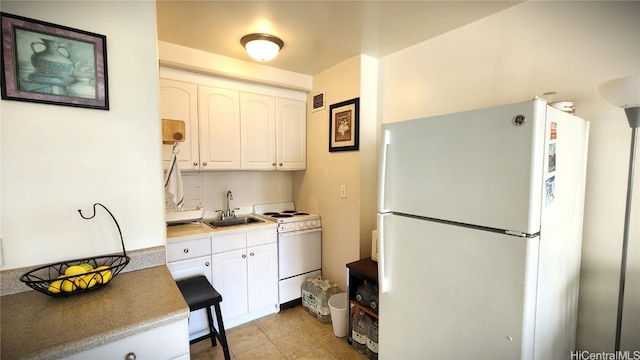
(339, 316)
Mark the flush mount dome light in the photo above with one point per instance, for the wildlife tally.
(262, 47)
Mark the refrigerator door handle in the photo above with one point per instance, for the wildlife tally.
(382, 270)
(383, 170)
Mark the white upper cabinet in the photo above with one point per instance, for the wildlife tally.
(291, 129)
(258, 123)
(219, 114)
(274, 135)
(231, 125)
(179, 101)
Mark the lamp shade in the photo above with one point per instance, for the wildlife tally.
(262, 47)
(623, 92)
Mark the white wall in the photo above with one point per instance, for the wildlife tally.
(58, 159)
(532, 48)
(318, 188)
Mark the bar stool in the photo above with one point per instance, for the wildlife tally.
(199, 294)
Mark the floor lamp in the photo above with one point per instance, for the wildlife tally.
(625, 93)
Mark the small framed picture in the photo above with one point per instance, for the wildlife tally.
(53, 64)
(344, 125)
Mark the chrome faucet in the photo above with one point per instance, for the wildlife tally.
(227, 211)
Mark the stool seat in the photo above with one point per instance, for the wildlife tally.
(199, 294)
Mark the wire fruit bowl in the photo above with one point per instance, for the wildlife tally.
(86, 274)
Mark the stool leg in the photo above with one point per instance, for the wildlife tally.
(221, 332)
(212, 330)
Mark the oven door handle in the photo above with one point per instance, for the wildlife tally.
(299, 232)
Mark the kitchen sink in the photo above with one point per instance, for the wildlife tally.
(245, 220)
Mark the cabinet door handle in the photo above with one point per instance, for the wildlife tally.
(251, 254)
(273, 164)
(130, 356)
(280, 164)
(244, 256)
(185, 250)
(206, 264)
(195, 163)
(204, 163)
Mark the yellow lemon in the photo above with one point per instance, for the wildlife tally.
(68, 285)
(87, 267)
(74, 270)
(87, 281)
(105, 276)
(55, 287)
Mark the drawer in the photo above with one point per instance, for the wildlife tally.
(165, 342)
(262, 237)
(188, 249)
(229, 242)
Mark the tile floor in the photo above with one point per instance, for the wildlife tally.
(289, 334)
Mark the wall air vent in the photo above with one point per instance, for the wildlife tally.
(318, 101)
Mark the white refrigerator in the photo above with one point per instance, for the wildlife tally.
(479, 234)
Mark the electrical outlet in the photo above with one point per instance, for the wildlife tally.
(343, 191)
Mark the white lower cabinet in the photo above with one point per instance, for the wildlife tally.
(230, 279)
(245, 272)
(262, 268)
(243, 268)
(164, 342)
(198, 324)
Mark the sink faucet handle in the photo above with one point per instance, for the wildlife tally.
(221, 213)
(233, 212)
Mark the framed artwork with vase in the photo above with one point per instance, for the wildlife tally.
(53, 64)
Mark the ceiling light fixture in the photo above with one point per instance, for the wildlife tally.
(262, 47)
(625, 93)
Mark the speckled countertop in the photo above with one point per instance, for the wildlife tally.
(37, 326)
(199, 229)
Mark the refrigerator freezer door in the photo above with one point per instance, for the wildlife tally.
(481, 167)
(453, 292)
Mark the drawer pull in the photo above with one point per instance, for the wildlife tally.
(207, 264)
(244, 256)
(130, 356)
(251, 254)
(185, 250)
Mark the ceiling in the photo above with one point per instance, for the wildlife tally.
(317, 34)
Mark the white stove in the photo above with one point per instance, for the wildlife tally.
(299, 247)
(287, 217)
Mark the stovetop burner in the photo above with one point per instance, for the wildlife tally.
(287, 217)
(285, 214)
(279, 216)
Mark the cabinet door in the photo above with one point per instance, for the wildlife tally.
(291, 129)
(230, 280)
(219, 120)
(198, 324)
(179, 101)
(258, 128)
(262, 277)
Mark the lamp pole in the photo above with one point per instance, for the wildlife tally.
(633, 115)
